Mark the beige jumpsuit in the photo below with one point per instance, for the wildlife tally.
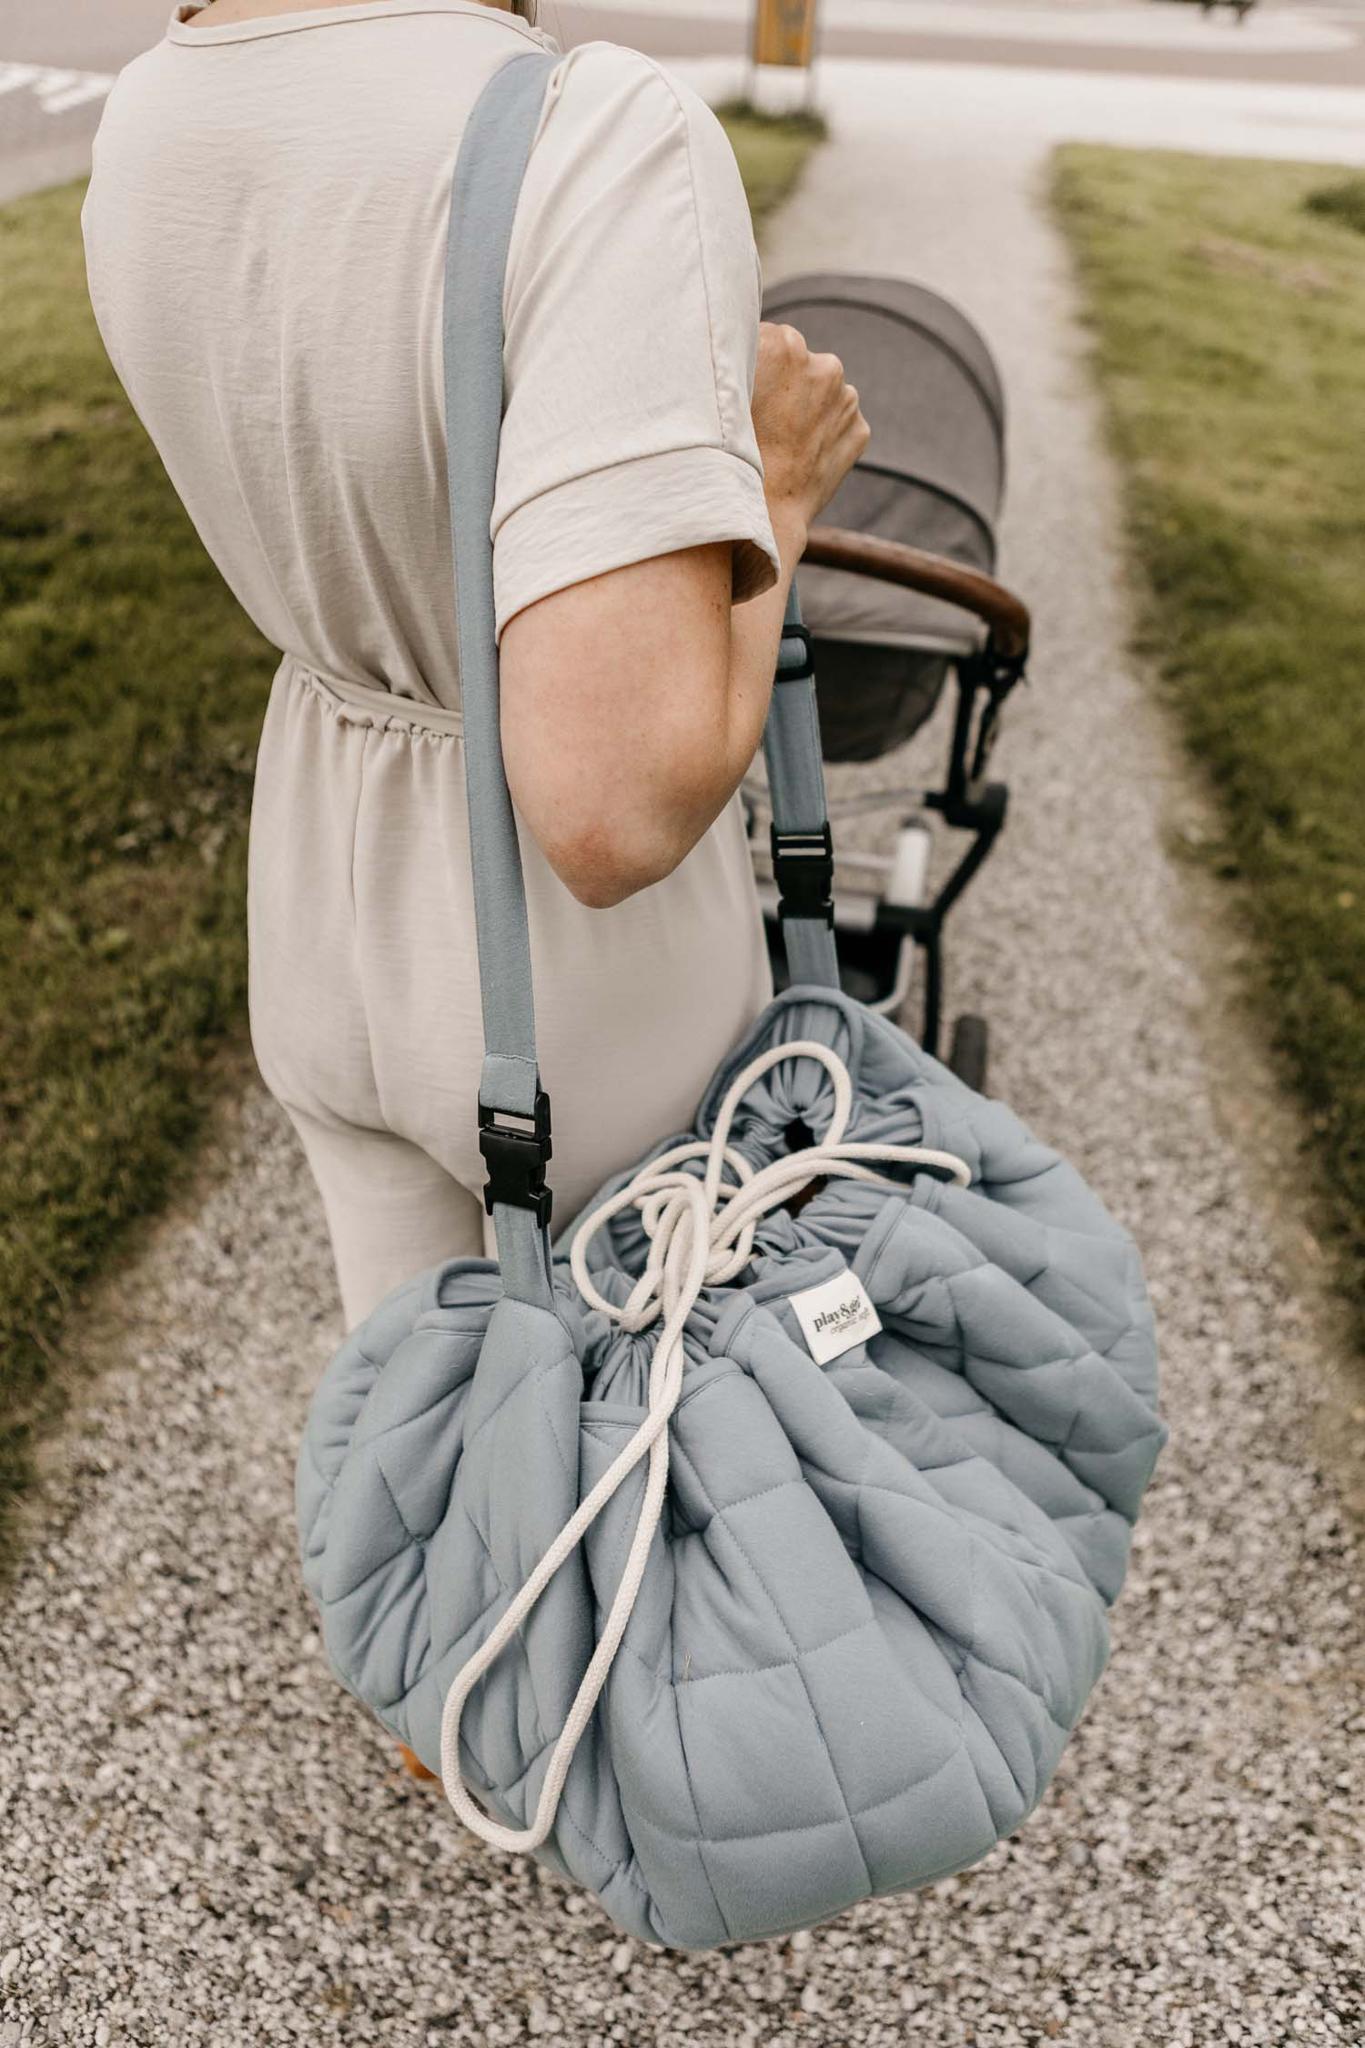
(265, 232)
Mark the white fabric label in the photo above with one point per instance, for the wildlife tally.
(835, 1316)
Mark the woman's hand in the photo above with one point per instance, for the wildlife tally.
(807, 419)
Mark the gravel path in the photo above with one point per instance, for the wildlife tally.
(207, 1842)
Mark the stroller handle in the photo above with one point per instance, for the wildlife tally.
(891, 561)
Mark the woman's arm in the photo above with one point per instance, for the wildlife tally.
(633, 702)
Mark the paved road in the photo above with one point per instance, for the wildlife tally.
(1276, 44)
(207, 1843)
(57, 62)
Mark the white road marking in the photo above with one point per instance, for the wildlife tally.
(56, 91)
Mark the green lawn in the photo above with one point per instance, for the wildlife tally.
(771, 150)
(1227, 301)
(131, 690)
(131, 694)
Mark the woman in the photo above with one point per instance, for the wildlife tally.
(265, 239)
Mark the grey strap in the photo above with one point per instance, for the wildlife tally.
(483, 201)
(796, 787)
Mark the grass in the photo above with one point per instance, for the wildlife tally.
(771, 150)
(131, 694)
(1343, 202)
(131, 691)
(1227, 301)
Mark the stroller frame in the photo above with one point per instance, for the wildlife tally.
(879, 938)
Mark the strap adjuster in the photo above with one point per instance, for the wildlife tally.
(516, 1150)
(805, 667)
(803, 868)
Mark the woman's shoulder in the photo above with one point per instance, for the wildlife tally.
(612, 111)
(602, 80)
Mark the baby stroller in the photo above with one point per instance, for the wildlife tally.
(898, 593)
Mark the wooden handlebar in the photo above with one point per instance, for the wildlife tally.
(891, 561)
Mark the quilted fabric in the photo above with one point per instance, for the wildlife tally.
(876, 1604)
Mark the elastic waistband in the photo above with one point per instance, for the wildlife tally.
(363, 704)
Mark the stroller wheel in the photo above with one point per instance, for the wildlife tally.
(968, 1058)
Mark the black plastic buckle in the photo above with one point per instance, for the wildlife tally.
(803, 868)
(795, 675)
(516, 1154)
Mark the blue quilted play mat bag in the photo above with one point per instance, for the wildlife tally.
(747, 1552)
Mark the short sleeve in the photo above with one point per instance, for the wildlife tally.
(632, 305)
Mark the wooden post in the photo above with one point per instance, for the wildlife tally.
(784, 32)
(783, 36)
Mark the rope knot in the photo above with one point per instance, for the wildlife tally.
(700, 1229)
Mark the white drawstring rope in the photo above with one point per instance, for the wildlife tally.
(701, 1234)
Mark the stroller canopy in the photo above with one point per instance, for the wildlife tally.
(934, 471)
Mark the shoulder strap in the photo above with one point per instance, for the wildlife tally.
(803, 851)
(514, 1114)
